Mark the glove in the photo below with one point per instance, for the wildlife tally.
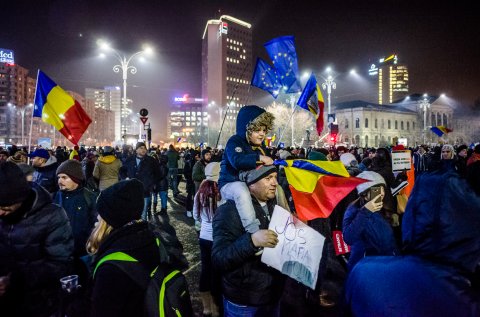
(401, 177)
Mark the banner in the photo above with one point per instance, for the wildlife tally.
(299, 248)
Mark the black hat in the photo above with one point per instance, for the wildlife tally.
(121, 203)
(14, 187)
(461, 148)
(73, 169)
(140, 144)
(205, 152)
(252, 176)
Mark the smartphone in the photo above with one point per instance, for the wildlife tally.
(374, 192)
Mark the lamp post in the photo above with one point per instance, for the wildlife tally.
(424, 104)
(125, 67)
(22, 112)
(328, 85)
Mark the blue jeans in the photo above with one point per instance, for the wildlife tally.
(146, 206)
(234, 310)
(163, 198)
(173, 180)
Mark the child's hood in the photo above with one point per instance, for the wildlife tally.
(246, 115)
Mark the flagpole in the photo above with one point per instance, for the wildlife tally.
(31, 119)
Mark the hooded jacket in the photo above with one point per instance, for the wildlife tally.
(106, 171)
(46, 176)
(40, 237)
(442, 247)
(239, 154)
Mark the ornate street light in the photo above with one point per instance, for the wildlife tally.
(328, 85)
(125, 67)
(424, 105)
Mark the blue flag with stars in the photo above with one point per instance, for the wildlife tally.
(265, 77)
(284, 57)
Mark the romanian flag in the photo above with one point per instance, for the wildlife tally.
(440, 130)
(317, 186)
(59, 109)
(311, 99)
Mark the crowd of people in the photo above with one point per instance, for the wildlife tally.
(414, 251)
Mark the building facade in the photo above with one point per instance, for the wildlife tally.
(226, 68)
(188, 121)
(109, 98)
(391, 79)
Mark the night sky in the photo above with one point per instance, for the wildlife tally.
(439, 42)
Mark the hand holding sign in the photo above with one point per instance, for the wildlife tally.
(298, 248)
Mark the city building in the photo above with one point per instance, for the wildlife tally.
(366, 124)
(391, 79)
(109, 98)
(226, 68)
(188, 121)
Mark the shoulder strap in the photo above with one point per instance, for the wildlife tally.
(116, 256)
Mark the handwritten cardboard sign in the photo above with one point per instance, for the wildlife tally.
(299, 248)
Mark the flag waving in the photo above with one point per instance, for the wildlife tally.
(59, 109)
(440, 130)
(311, 99)
(284, 57)
(265, 77)
(317, 186)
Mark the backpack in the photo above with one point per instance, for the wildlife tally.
(166, 287)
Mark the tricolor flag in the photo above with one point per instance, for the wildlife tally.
(311, 99)
(59, 109)
(440, 130)
(317, 186)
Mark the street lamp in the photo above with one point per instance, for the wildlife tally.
(22, 112)
(425, 105)
(328, 85)
(125, 67)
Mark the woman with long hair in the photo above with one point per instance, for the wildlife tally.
(204, 207)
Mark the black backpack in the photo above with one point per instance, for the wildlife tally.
(166, 287)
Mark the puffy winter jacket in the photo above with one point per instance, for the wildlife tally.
(40, 237)
(246, 280)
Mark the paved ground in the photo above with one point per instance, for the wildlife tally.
(188, 237)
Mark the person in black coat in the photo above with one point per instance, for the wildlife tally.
(145, 169)
(36, 235)
(114, 292)
(247, 281)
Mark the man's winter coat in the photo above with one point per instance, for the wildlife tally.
(239, 154)
(46, 176)
(39, 238)
(442, 247)
(146, 172)
(106, 171)
(79, 204)
(246, 280)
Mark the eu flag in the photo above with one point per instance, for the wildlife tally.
(284, 57)
(265, 77)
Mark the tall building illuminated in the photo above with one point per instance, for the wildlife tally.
(391, 78)
(226, 66)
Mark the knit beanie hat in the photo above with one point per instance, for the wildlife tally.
(212, 171)
(107, 150)
(252, 176)
(316, 156)
(121, 203)
(140, 144)
(373, 179)
(73, 169)
(14, 187)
